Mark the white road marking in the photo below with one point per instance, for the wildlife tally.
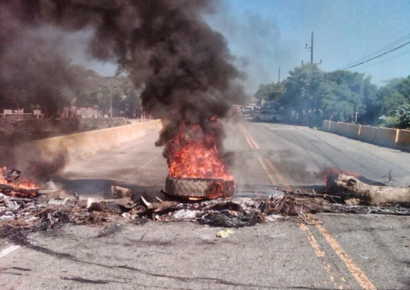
(8, 250)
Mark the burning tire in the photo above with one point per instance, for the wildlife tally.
(200, 188)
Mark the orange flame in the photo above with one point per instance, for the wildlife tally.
(194, 198)
(194, 154)
(19, 184)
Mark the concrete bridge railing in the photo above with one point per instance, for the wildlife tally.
(62, 149)
(395, 138)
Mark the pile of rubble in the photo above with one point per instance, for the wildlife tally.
(42, 213)
(42, 210)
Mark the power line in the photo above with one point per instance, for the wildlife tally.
(377, 51)
(380, 55)
(386, 60)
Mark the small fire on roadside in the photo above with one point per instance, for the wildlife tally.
(10, 178)
(194, 198)
(193, 154)
(334, 171)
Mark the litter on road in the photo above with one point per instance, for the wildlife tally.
(29, 208)
(224, 233)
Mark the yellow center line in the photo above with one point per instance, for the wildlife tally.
(246, 137)
(357, 273)
(316, 248)
(319, 252)
(245, 131)
(278, 175)
(266, 171)
(354, 269)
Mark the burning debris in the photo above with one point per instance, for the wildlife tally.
(11, 175)
(13, 185)
(193, 153)
(31, 208)
(195, 163)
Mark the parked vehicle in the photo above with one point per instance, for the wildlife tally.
(249, 109)
(268, 116)
(272, 106)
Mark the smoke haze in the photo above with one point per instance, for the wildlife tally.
(257, 43)
(165, 45)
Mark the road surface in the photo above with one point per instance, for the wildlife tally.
(343, 252)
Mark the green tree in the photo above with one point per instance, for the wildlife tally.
(271, 92)
(334, 100)
(403, 116)
(393, 95)
(372, 110)
(343, 94)
(101, 91)
(302, 87)
(404, 88)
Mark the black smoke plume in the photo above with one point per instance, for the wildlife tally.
(164, 45)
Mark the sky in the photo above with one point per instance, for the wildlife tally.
(264, 35)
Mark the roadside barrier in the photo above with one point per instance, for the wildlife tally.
(403, 140)
(348, 130)
(367, 134)
(70, 147)
(326, 125)
(388, 137)
(333, 127)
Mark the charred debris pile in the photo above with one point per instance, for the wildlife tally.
(23, 207)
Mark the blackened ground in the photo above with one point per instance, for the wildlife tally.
(277, 255)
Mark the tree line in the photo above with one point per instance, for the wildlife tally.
(35, 75)
(342, 96)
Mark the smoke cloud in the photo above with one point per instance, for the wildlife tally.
(258, 43)
(34, 71)
(164, 45)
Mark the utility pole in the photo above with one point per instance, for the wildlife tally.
(311, 48)
(279, 76)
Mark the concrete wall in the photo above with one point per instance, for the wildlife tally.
(326, 125)
(381, 136)
(367, 134)
(348, 130)
(403, 140)
(333, 127)
(62, 149)
(386, 136)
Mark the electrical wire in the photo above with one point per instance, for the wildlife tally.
(385, 60)
(380, 55)
(376, 52)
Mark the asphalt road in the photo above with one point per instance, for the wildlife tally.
(300, 153)
(344, 252)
